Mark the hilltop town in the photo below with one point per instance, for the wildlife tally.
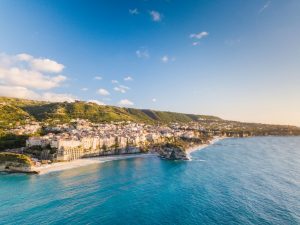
(57, 132)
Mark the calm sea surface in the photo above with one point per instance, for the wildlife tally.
(235, 181)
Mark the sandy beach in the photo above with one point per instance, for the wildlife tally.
(54, 167)
(48, 168)
(202, 146)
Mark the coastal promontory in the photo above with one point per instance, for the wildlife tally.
(172, 151)
(13, 162)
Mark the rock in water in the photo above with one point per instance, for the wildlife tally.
(173, 155)
(172, 152)
(13, 162)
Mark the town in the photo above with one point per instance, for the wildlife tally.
(35, 134)
(82, 138)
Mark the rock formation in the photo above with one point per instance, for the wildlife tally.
(172, 152)
(12, 162)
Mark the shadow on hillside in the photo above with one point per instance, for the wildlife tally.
(10, 141)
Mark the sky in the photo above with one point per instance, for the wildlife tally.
(236, 59)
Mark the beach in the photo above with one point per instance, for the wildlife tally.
(153, 191)
(59, 166)
(202, 146)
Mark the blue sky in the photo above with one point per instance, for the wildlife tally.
(236, 59)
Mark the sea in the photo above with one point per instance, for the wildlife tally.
(234, 181)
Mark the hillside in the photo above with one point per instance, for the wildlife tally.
(16, 115)
(15, 111)
(10, 115)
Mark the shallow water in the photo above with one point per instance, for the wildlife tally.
(235, 181)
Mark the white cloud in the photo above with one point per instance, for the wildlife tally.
(40, 64)
(46, 65)
(84, 89)
(24, 57)
(96, 102)
(129, 78)
(124, 87)
(165, 59)
(55, 97)
(103, 92)
(153, 99)
(265, 6)
(121, 88)
(29, 78)
(156, 16)
(125, 102)
(98, 78)
(142, 53)
(25, 93)
(18, 92)
(25, 71)
(134, 11)
(22, 74)
(199, 35)
(195, 43)
(114, 81)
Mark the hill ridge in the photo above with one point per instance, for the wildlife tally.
(64, 111)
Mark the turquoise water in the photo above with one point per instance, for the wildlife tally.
(235, 181)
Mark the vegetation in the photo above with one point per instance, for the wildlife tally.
(8, 140)
(173, 145)
(17, 112)
(11, 116)
(65, 112)
(14, 157)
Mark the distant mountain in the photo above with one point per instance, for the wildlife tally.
(17, 111)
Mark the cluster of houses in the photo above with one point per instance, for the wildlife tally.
(29, 128)
(82, 138)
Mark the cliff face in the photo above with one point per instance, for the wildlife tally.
(11, 162)
(172, 152)
(16, 167)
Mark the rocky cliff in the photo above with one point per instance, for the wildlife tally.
(172, 152)
(12, 162)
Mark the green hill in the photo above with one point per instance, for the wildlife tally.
(15, 111)
(11, 115)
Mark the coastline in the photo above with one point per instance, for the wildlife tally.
(202, 146)
(60, 166)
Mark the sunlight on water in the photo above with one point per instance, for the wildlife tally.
(235, 181)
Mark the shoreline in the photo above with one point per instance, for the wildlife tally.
(216, 139)
(60, 166)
